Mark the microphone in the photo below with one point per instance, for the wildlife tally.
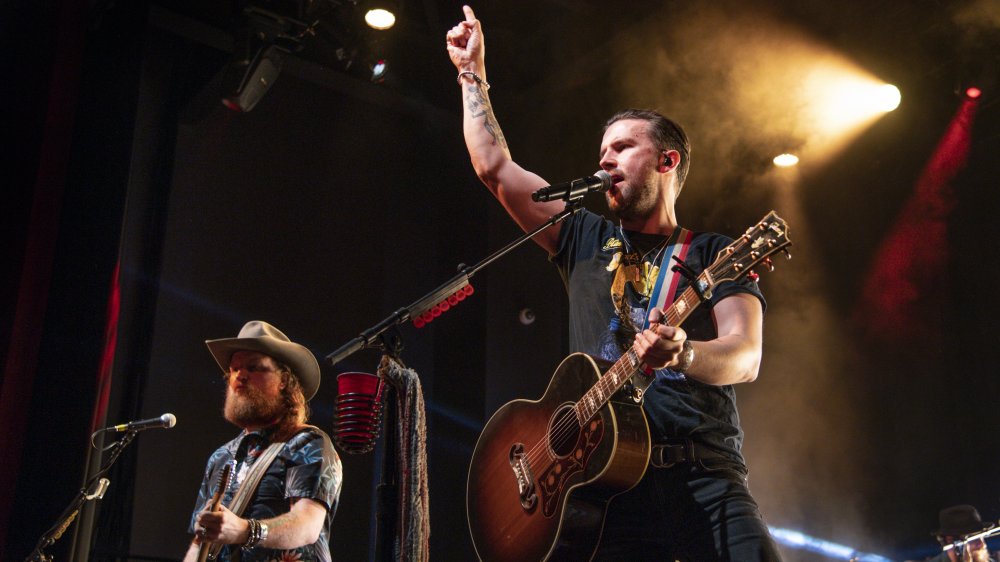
(165, 421)
(573, 190)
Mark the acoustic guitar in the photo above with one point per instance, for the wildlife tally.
(543, 472)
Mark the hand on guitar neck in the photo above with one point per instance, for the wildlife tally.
(222, 526)
(207, 532)
(660, 345)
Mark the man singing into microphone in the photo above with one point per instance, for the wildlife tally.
(288, 471)
(693, 502)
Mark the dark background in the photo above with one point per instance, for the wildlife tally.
(338, 200)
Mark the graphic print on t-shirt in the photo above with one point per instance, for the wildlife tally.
(635, 275)
(630, 288)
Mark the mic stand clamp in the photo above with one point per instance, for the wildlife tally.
(94, 490)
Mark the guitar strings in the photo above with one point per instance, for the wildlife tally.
(566, 426)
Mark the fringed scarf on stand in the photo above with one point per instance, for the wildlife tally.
(414, 529)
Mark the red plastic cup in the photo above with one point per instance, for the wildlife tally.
(359, 411)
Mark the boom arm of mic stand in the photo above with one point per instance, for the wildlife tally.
(983, 535)
(425, 303)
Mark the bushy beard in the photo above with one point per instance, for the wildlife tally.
(252, 408)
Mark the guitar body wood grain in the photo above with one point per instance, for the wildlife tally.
(573, 471)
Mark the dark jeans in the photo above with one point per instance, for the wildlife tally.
(689, 513)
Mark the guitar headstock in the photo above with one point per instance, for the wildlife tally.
(754, 248)
(223, 481)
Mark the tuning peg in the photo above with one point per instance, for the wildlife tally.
(769, 264)
(753, 276)
(788, 255)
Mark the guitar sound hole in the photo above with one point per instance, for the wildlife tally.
(563, 431)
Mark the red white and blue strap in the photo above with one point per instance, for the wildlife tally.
(665, 289)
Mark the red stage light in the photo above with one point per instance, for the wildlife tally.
(973, 92)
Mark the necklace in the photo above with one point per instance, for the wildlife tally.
(647, 270)
(658, 248)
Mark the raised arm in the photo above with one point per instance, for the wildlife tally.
(510, 183)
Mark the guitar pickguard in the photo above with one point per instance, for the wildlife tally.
(552, 481)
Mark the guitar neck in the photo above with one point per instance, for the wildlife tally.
(208, 551)
(629, 365)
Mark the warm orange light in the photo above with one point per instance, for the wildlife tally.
(380, 18)
(785, 160)
(973, 92)
(840, 101)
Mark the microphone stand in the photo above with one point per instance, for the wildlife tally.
(374, 336)
(369, 337)
(958, 545)
(94, 490)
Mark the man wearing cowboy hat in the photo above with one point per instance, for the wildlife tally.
(956, 524)
(269, 380)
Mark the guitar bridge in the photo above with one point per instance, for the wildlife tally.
(524, 476)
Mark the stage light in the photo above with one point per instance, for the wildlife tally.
(802, 541)
(886, 98)
(258, 77)
(785, 160)
(380, 16)
(379, 69)
(842, 102)
(973, 92)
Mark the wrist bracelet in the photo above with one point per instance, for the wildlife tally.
(475, 77)
(686, 357)
(254, 534)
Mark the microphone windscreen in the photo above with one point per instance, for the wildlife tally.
(605, 178)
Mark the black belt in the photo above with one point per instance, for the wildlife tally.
(679, 451)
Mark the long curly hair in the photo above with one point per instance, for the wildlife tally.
(296, 408)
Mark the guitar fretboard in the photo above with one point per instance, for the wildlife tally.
(629, 364)
(735, 261)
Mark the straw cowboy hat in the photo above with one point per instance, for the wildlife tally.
(960, 521)
(264, 338)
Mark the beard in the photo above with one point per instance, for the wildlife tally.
(252, 408)
(638, 203)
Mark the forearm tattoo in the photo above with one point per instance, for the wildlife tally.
(479, 106)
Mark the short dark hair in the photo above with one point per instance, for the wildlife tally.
(666, 134)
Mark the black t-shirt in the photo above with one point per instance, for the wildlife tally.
(608, 274)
